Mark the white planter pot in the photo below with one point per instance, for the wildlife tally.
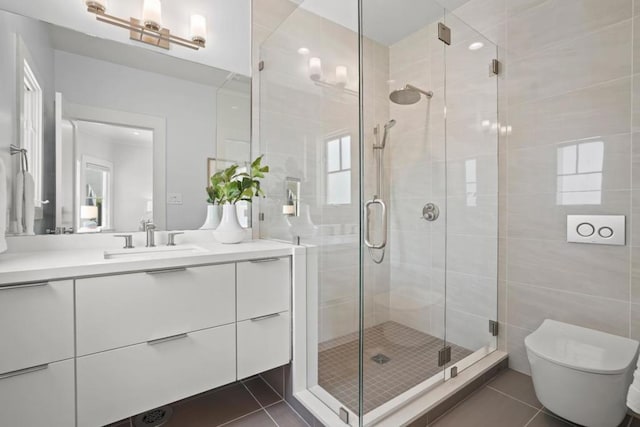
(213, 217)
(229, 230)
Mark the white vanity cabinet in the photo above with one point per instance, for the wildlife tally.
(121, 310)
(148, 339)
(116, 384)
(264, 301)
(36, 361)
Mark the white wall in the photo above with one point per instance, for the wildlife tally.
(189, 109)
(37, 42)
(228, 22)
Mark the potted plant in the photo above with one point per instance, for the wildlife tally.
(229, 187)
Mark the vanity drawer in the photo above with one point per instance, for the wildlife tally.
(116, 311)
(119, 383)
(36, 324)
(263, 343)
(264, 287)
(42, 396)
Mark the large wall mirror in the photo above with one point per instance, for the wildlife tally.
(102, 136)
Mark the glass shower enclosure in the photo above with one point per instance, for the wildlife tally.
(379, 121)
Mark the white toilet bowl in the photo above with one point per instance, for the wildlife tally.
(581, 374)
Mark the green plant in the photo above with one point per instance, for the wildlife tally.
(231, 186)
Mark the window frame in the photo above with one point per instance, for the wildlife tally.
(340, 137)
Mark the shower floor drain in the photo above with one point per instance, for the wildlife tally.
(380, 359)
(153, 418)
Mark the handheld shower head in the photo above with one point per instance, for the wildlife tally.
(391, 123)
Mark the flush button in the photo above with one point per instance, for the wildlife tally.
(605, 232)
(586, 230)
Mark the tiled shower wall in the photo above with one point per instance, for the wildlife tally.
(295, 119)
(568, 88)
(571, 98)
(424, 148)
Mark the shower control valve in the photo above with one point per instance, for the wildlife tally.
(430, 212)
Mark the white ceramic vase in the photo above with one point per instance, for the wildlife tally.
(213, 217)
(229, 230)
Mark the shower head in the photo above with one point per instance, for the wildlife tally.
(391, 123)
(408, 95)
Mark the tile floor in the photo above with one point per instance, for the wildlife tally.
(508, 400)
(248, 403)
(413, 358)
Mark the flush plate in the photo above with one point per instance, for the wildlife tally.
(596, 229)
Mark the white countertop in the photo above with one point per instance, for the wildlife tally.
(55, 263)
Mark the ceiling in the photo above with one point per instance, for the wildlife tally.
(228, 26)
(118, 134)
(384, 21)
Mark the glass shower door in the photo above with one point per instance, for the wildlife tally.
(471, 194)
(404, 283)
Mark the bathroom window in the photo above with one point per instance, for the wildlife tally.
(339, 170)
(32, 128)
(580, 169)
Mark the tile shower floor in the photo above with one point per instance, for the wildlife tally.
(413, 358)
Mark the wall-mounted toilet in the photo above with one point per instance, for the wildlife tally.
(581, 374)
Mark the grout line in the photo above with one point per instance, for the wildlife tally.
(296, 412)
(533, 418)
(252, 395)
(239, 418)
(516, 399)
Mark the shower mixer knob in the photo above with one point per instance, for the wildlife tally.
(430, 212)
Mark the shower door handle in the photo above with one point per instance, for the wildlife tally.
(367, 234)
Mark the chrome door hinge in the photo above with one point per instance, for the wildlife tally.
(444, 356)
(261, 216)
(444, 33)
(454, 371)
(260, 65)
(494, 328)
(495, 68)
(344, 415)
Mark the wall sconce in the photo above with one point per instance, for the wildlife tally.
(315, 74)
(149, 29)
(292, 197)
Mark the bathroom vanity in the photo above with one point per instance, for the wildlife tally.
(96, 340)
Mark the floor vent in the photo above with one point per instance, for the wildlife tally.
(380, 359)
(153, 418)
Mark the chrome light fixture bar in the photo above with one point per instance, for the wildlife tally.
(149, 29)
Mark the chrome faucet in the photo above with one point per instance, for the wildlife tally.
(150, 228)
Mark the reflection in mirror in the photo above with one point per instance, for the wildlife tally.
(113, 134)
(114, 183)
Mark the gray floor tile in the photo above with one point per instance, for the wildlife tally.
(285, 416)
(257, 419)
(543, 419)
(517, 385)
(261, 391)
(487, 408)
(214, 408)
(275, 378)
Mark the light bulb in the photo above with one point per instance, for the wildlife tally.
(315, 68)
(152, 14)
(198, 29)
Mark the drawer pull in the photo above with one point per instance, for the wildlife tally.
(168, 270)
(167, 339)
(23, 285)
(259, 261)
(268, 316)
(24, 371)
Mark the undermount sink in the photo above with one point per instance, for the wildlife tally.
(155, 252)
